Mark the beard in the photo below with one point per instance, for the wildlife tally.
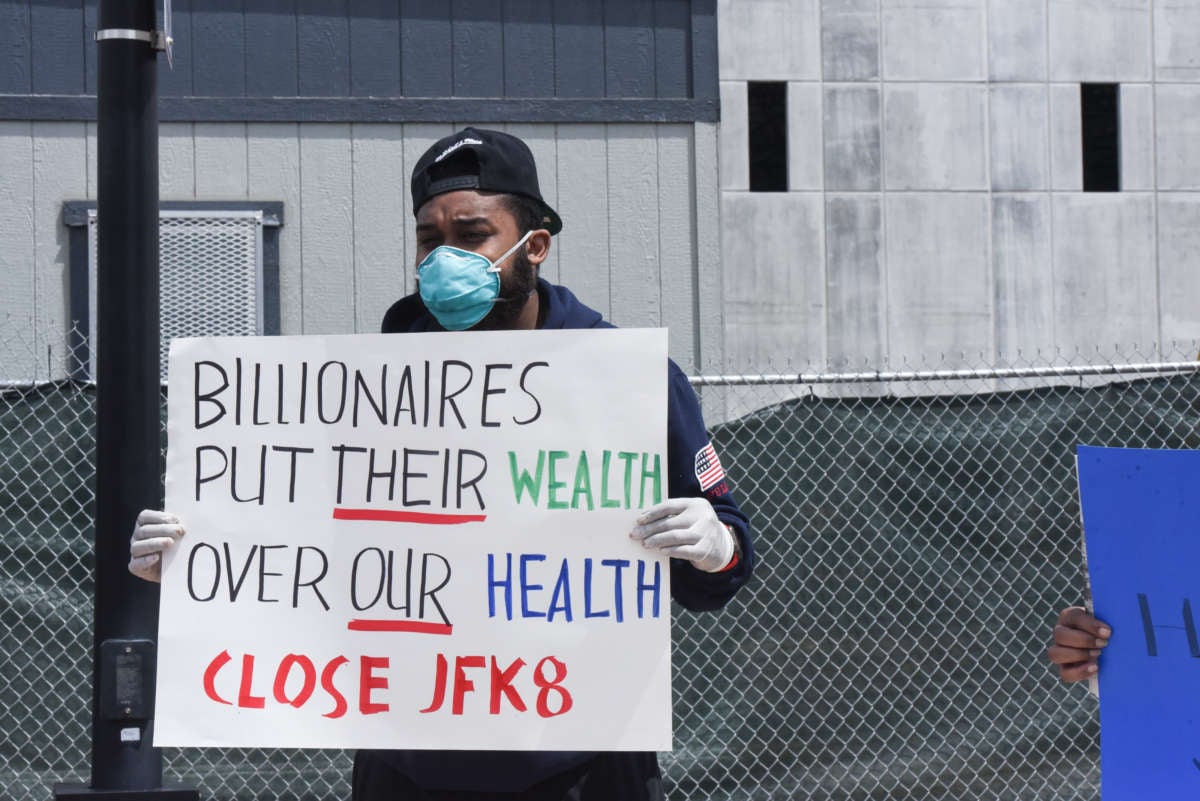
(516, 285)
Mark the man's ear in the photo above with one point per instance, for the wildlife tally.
(537, 247)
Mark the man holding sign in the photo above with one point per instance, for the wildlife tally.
(482, 231)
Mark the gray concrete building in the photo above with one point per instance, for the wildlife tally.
(935, 207)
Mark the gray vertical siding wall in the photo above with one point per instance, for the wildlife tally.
(935, 209)
(638, 242)
(41, 164)
(385, 48)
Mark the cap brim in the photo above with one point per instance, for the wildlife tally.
(550, 218)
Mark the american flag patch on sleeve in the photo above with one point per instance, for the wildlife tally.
(708, 467)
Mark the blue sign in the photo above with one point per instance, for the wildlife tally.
(1141, 522)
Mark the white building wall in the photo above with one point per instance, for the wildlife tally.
(639, 204)
(935, 212)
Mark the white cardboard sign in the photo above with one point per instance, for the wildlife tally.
(416, 541)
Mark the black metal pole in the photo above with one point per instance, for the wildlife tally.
(128, 461)
(128, 465)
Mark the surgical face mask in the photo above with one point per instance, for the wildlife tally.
(459, 286)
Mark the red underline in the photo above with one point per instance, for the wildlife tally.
(397, 516)
(414, 626)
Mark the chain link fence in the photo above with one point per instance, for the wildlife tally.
(917, 532)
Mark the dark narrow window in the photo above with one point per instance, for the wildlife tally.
(767, 104)
(1100, 110)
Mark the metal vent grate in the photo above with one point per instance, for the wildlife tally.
(211, 268)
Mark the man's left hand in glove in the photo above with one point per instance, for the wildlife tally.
(687, 528)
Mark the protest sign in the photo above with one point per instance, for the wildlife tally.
(1141, 519)
(416, 541)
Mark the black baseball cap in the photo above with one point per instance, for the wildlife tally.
(476, 158)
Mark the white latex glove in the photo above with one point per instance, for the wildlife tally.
(686, 528)
(153, 533)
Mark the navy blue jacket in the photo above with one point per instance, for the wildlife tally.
(512, 771)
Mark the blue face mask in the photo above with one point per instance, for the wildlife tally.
(460, 286)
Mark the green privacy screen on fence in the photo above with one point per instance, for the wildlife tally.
(914, 547)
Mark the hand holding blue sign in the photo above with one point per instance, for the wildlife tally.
(1141, 523)
(1078, 640)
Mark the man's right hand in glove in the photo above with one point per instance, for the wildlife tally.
(153, 534)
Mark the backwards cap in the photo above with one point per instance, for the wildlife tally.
(476, 158)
